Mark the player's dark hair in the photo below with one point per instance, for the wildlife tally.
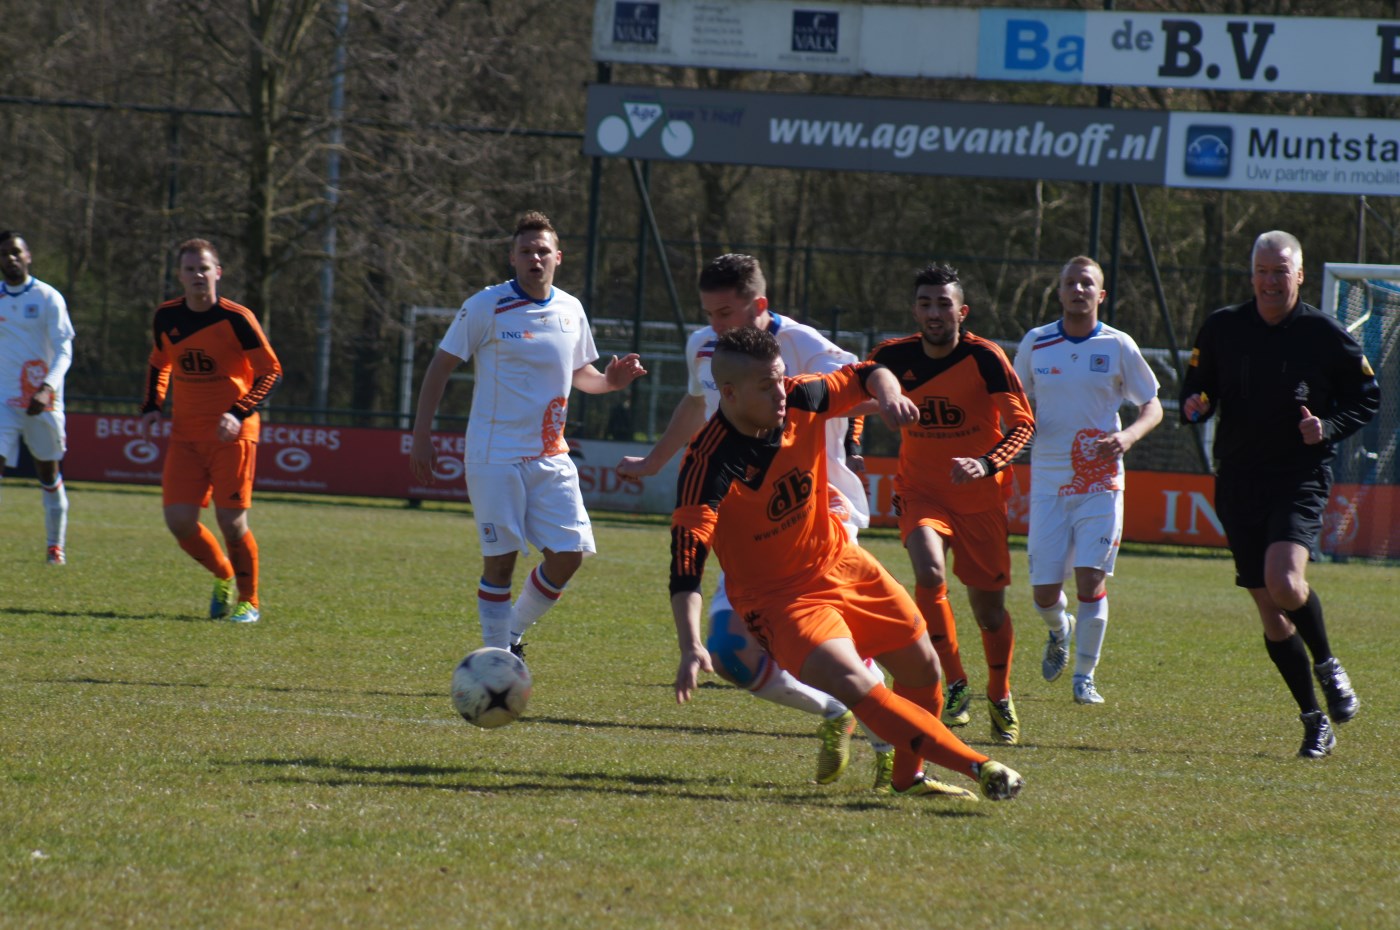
(734, 270)
(757, 344)
(534, 221)
(197, 246)
(938, 274)
(8, 234)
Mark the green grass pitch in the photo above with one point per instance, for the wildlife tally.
(160, 770)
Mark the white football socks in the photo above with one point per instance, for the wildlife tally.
(55, 500)
(1055, 617)
(781, 688)
(536, 597)
(494, 610)
(1091, 622)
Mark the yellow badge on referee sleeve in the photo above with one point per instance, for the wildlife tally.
(1366, 368)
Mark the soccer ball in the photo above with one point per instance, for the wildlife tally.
(490, 687)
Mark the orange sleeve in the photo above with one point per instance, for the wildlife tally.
(1019, 424)
(157, 375)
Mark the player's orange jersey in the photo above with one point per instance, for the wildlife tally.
(761, 504)
(220, 362)
(971, 405)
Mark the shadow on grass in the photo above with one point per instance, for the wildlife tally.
(275, 689)
(333, 773)
(98, 614)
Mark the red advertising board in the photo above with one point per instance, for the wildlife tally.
(1160, 507)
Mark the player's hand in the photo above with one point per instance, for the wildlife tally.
(40, 401)
(229, 427)
(1196, 406)
(635, 468)
(147, 423)
(623, 371)
(1311, 427)
(422, 458)
(968, 470)
(688, 672)
(899, 412)
(856, 463)
(1113, 445)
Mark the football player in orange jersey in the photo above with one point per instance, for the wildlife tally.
(950, 489)
(222, 367)
(753, 489)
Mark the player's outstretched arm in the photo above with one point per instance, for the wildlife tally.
(695, 658)
(897, 410)
(421, 456)
(620, 373)
(686, 421)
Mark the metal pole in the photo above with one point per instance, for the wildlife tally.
(1161, 292)
(595, 186)
(326, 310)
(1361, 230)
(640, 183)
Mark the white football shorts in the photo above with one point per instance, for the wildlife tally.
(536, 501)
(1073, 531)
(43, 433)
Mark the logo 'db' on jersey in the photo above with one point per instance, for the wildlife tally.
(940, 413)
(790, 492)
(195, 362)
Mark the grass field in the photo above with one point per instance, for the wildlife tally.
(158, 770)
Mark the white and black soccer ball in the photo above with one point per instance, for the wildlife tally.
(491, 687)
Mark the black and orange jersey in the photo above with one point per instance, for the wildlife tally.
(220, 361)
(761, 504)
(971, 405)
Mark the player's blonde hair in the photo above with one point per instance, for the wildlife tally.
(1082, 261)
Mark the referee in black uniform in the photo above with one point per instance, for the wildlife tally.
(1288, 383)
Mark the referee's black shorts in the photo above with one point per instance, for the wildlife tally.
(1257, 510)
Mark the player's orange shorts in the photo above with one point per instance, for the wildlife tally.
(196, 472)
(981, 556)
(856, 599)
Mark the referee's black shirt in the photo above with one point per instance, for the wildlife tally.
(1259, 377)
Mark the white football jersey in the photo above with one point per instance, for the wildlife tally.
(1076, 387)
(804, 352)
(525, 353)
(36, 342)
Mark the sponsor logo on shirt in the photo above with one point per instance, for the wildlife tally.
(515, 334)
(1052, 370)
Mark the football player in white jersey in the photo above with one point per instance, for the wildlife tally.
(530, 343)
(1078, 372)
(36, 348)
(732, 294)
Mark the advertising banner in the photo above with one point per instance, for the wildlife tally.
(1327, 55)
(1160, 507)
(813, 38)
(868, 134)
(1284, 153)
(1322, 55)
(356, 462)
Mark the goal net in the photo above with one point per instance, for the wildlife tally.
(1363, 518)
